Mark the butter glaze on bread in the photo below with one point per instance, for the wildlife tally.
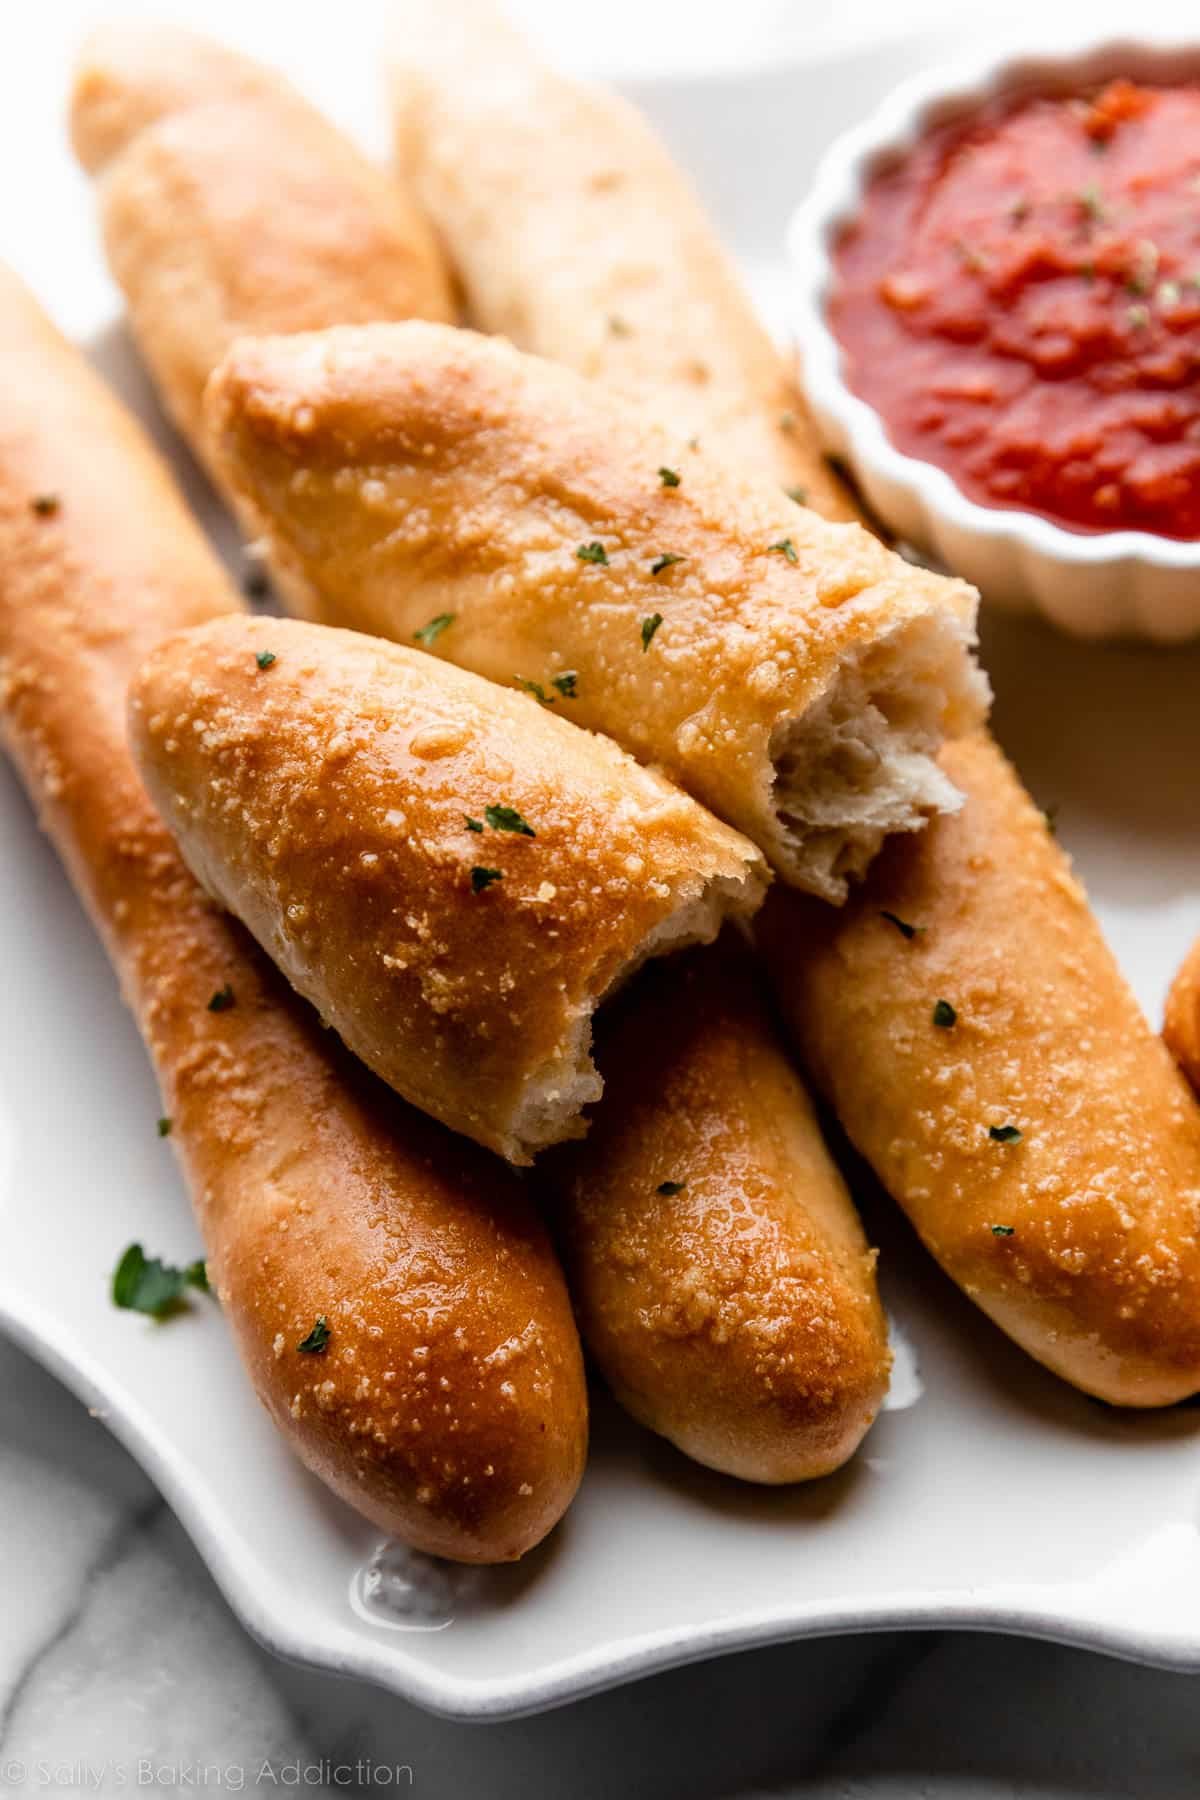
(449, 1406)
(1082, 1238)
(801, 677)
(231, 206)
(341, 802)
(721, 1278)
(575, 235)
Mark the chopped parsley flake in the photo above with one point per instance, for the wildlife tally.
(429, 634)
(473, 824)
(944, 1015)
(671, 1187)
(669, 477)
(902, 925)
(1004, 1134)
(483, 878)
(507, 818)
(143, 1284)
(649, 627)
(1051, 817)
(164, 1127)
(535, 688)
(222, 1000)
(786, 548)
(264, 658)
(667, 560)
(593, 553)
(1002, 1230)
(317, 1339)
(46, 505)
(566, 683)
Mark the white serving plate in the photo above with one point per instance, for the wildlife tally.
(995, 1498)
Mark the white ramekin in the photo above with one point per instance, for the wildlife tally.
(1108, 584)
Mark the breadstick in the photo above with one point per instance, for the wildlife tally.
(968, 1024)
(231, 206)
(794, 675)
(1181, 1028)
(454, 876)
(720, 1274)
(576, 236)
(130, 73)
(448, 1405)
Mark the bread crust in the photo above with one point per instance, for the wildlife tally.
(1181, 1026)
(231, 206)
(449, 1407)
(401, 473)
(1080, 1238)
(596, 252)
(130, 73)
(342, 801)
(721, 1278)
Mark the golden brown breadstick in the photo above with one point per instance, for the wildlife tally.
(576, 236)
(453, 876)
(230, 206)
(418, 481)
(448, 1405)
(967, 1022)
(720, 1275)
(1181, 1027)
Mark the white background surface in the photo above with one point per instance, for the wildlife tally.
(113, 1645)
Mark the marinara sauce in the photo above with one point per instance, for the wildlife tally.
(1019, 300)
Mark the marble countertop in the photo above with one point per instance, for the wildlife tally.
(122, 1667)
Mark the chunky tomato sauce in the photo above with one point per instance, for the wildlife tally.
(1020, 301)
